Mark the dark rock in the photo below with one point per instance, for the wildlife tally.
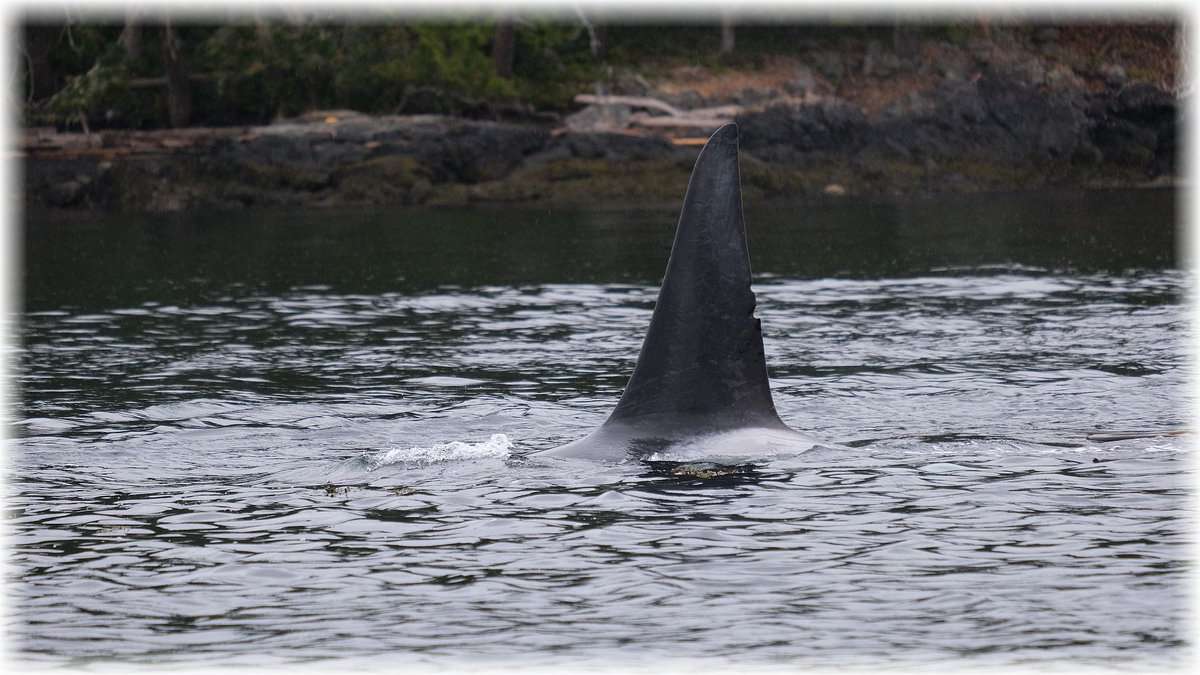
(879, 63)
(1062, 79)
(1113, 74)
(944, 123)
(1044, 35)
(803, 82)
(336, 152)
(1027, 71)
(614, 147)
(785, 133)
(486, 151)
(1054, 53)
(1137, 129)
(999, 120)
(1147, 103)
(914, 103)
(1037, 123)
(830, 65)
(980, 49)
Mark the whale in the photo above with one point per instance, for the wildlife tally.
(699, 388)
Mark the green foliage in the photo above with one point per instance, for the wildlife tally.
(453, 58)
(102, 92)
(457, 57)
(652, 42)
(255, 72)
(264, 72)
(98, 76)
(260, 72)
(79, 45)
(553, 63)
(86, 95)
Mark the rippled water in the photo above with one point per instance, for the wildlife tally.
(273, 441)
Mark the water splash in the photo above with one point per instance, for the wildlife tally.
(496, 447)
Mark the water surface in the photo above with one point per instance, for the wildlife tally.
(304, 437)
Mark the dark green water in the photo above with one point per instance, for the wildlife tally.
(296, 437)
(194, 258)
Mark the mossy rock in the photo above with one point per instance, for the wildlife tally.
(392, 179)
(288, 177)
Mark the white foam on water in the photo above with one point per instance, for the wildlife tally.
(496, 447)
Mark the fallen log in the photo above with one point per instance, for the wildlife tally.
(635, 101)
(655, 104)
(682, 121)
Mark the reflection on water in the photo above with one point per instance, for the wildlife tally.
(265, 440)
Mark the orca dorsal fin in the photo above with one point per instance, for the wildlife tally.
(703, 354)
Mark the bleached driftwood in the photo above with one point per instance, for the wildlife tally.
(632, 101)
(675, 117)
(681, 121)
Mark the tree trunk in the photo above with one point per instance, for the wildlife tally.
(600, 36)
(726, 33)
(43, 80)
(504, 49)
(179, 94)
(131, 40)
(596, 34)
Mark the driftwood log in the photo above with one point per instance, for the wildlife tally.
(673, 117)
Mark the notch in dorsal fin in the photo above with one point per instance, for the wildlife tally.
(703, 354)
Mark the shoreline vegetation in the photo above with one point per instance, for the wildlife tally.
(160, 117)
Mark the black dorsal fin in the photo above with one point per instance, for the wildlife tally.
(703, 354)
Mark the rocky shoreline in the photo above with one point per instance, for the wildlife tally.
(966, 121)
